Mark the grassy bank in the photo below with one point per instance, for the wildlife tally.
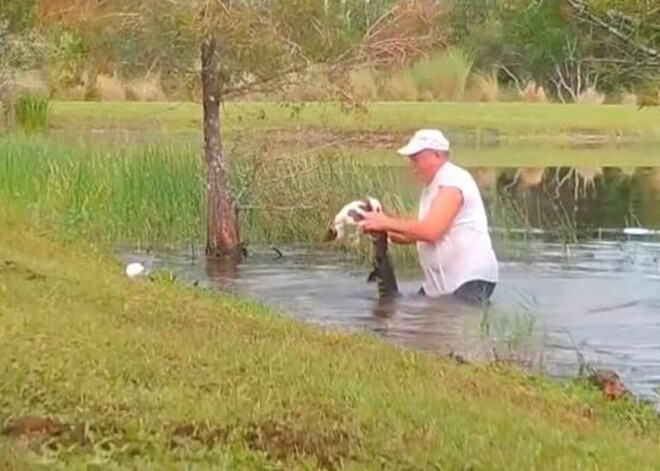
(153, 375)
(509, 121)
(155, 194)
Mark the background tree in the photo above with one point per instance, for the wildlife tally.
(568, 46)
(242, 45)
(20, 48)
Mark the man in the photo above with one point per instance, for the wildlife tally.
(451, 234)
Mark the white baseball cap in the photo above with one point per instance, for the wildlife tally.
(425, 139)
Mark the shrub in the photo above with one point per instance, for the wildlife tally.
(312, 85)
(110, 88)
(629, 99)
(363, 84)
(147, 88)
(534, 93)
(485, 87)
(399, 87)
(31, 112)
(443, 76)
(590, 96)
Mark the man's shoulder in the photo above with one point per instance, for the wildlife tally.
(451, 171)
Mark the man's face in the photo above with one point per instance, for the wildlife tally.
(424, 165)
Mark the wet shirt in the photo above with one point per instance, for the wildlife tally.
(465, 252)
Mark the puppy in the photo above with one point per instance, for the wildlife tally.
(351, 215)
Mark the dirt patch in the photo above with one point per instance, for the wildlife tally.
(311, 138)
(282, 441)
(34, 430)
(9, 266)
(31, 426)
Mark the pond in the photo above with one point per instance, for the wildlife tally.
(580, 278)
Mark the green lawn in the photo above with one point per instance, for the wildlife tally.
(514, 121)
(155, 376)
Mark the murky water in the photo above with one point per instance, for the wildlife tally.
(580, 279)
(601, 301)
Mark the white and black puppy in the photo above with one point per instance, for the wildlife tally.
(351, 215)
(383, 271)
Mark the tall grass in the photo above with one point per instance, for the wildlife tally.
(32, 112)
(363, 84)
(148, 194)
(534, 93)
(590, 96)
(443, 76)
(399, 87)
(485, 87)
(155, 194)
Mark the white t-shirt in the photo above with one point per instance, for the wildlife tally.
(465, 253)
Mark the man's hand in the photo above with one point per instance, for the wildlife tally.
(375, 222)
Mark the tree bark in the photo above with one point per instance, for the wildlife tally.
(222, 236)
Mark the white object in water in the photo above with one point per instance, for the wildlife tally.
(134, 269)
(637, 231)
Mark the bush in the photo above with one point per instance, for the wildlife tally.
(31, 112)
(311, 85)
(590, 96)
(534, 93)
(147, 88)
(399, 87)
(363, 85)
(629, 99)
(110, 88)
(443, 76)
(485, 87)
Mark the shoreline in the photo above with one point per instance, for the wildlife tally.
(509, 122)
(167, 374)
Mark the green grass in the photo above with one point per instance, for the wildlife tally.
(443, 76)
(154, 375)
(141, 195)
(31, 113)
(155, 193)
(510, 121)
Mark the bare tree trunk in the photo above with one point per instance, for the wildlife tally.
(222, 238)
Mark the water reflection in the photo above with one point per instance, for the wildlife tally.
(579, 200)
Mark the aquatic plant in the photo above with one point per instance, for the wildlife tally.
(154, 194)
(31, 112)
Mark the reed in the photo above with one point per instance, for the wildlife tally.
(141, 195)
(32, 112)
(154, 194)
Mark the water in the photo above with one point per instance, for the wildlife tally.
(578, 286)
(599, 301)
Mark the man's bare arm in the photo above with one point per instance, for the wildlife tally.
(400, 239)
(441, 215)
